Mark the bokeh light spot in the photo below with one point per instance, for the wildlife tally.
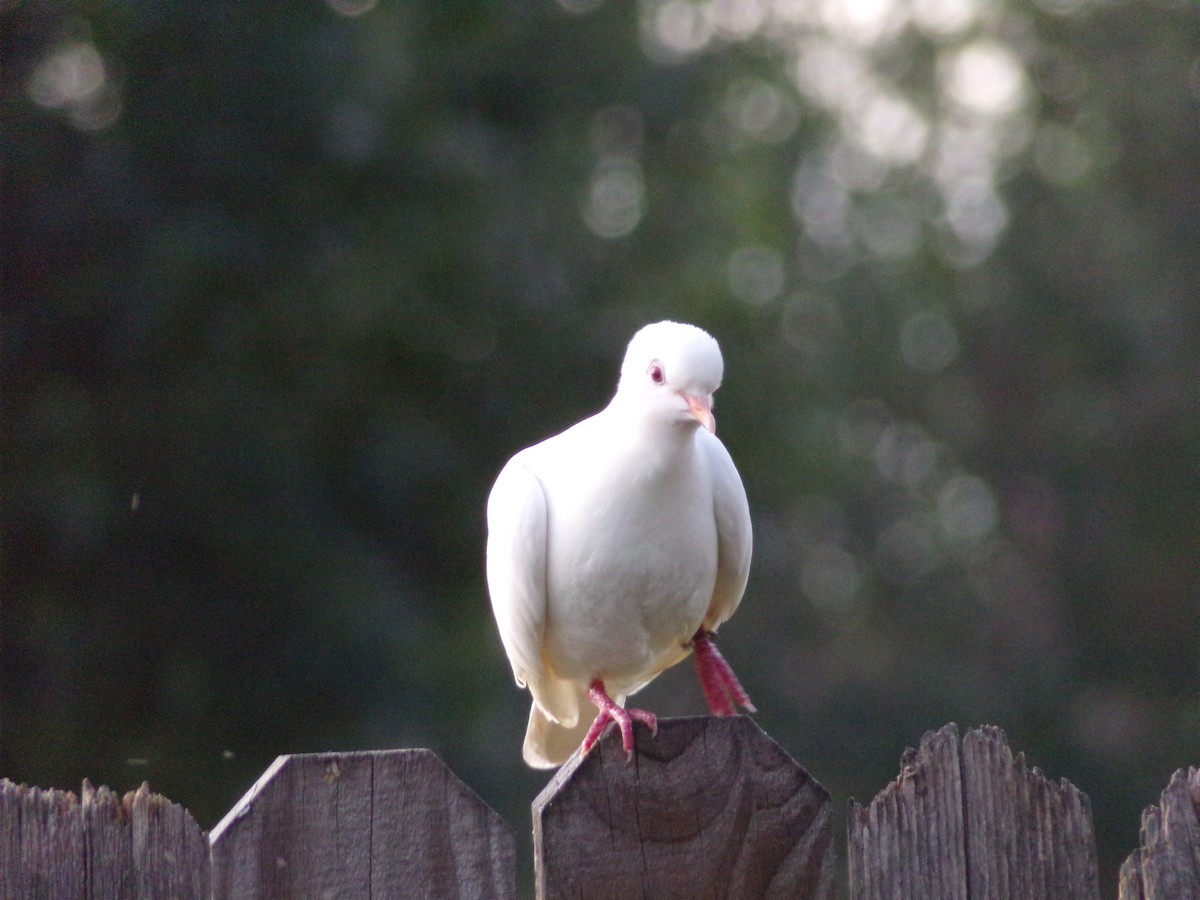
(69, 74)
(737, 19)
(614, 202)
(985, 77)
(892, 130)
(831, 578)
(756, 274)
(351, 8)
(676, 29)
(905, 454)
(823, 207)
(966, 509)
(944, 18)
(976, 215)
(928, 342)
(832, 76)
(863, 22)
(761, 110)
(72, 77)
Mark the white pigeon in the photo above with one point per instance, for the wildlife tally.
(618, 546)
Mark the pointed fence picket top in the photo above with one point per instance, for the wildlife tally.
(710, 807)
(388, 823)
(1168, 862)
(1026, 835)
(970, 821)
(911, 841)
(99, 846)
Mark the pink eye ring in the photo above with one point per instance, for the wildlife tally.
(656, 373)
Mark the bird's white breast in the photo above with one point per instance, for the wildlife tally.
(631, 559)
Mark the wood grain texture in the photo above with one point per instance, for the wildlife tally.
(170, 852)
(710, 808)
(1167, 865)
(392, 823)
(41, 843)
(910, 842)
(971, 821)
(1026, 835)
(107, 821)
(100, 845)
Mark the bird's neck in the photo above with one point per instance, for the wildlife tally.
(654, 441)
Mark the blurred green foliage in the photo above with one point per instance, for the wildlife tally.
(282, 289)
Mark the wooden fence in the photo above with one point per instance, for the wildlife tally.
(709, 808)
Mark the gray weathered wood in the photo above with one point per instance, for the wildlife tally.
(394, 823)
(910, 841)
(711, 807)
(41, 843)
(1026, 835)
(107, 821)
(170, 852)
(970, 821)
(55, 845)
(1168, 862)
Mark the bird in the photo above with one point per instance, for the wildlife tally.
(619, 546)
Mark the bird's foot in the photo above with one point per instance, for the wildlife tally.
(611, 712)
(722, 690)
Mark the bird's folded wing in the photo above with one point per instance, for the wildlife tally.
(516, 566)
(734, 539)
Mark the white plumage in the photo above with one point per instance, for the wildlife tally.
(615, 544)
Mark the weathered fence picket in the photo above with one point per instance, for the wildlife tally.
(388, 823)
(1167, 865)
(970, 821)
(708, 808)
(100, 846)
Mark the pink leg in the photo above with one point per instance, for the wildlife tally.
(611, 712)
(722, 690)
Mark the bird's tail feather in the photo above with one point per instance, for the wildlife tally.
(548, 743)
(561, 700)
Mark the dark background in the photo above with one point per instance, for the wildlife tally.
(284, 285)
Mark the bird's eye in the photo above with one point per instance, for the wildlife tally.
(656, 373)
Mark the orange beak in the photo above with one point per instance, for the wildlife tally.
(701, 408)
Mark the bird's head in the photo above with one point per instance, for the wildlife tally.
(671, 370)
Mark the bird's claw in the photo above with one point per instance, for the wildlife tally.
(722, 689)
(609, 711)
